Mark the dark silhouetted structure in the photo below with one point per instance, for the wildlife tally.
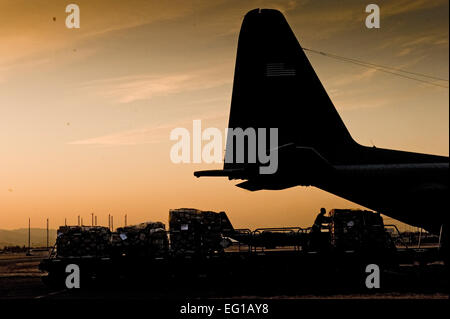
(275, 86)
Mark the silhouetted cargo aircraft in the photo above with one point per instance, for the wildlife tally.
(275, 86)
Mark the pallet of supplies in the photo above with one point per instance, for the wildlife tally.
(357, 230)
(143, 240)
(196, 232)
(83, 241)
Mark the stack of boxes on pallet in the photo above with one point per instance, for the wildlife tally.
(144, 240)
(79, 241)
(196, 232)
(357, 230)
(192, 232)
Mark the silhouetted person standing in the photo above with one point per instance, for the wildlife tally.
(316, 234)
(320, 219)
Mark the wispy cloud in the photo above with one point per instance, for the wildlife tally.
(29, 32)
(328, 18)
(130, 137)
(146, 135)
(352, 78)
(349, 104)
(143, 87)
(393, 8)
(404, 52)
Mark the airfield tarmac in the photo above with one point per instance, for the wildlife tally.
(20, 278)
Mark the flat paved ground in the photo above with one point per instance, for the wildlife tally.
(20, 278)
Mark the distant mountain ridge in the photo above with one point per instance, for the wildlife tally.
(19, 237)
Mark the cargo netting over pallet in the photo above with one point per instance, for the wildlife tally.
(192, 232)
(76, 241)
(196, 232)
(144, 240)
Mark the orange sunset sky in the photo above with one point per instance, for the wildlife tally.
(85, 114)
